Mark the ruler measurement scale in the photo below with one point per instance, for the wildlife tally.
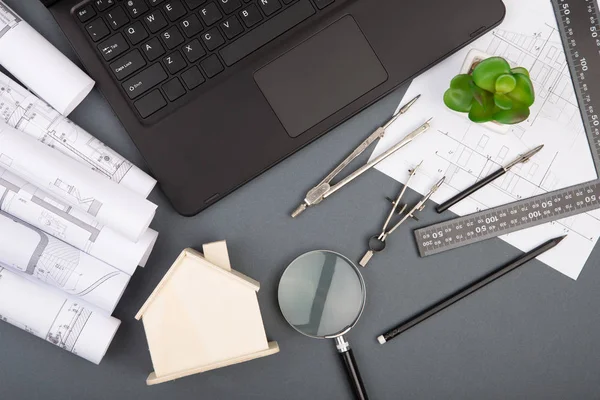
(585, 76)
(579, 27)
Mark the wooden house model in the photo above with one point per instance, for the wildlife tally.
(203, 315)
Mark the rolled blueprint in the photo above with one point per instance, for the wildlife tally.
(22, 110)
(28, 203)
(71, 325)
(109, 203)
(46, 259)
(39, 65)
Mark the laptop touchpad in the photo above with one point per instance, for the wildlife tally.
(320, 76)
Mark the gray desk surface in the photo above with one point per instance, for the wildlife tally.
(532, 335)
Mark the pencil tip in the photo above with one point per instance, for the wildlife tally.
(560, 239)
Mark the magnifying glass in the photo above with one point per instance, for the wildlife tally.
(322, 295)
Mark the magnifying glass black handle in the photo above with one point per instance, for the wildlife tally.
(354, 377)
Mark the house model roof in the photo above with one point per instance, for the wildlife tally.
(203, 315)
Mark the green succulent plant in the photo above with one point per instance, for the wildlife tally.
(492, 92)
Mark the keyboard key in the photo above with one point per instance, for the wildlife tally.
(117, 18)
(210, 14)
(136, 33)
(232, 27)
(144, 81)
(136, 7)
(321, 4)
(191, 25)
(174, 62)
(102, 5)
(174, 10)
(173, 89)
(155, 21)
(212, 39)
(180, 40)
(192, 4)
(269, 6)
(251, 16)
(97, 29)
(128, 64)
(150, 104)
(230, 6)
(172, 37)
(153, 49)
(268, 31)
(113, 47)
(86, 13)
(192, 78)
(212, 66)
(193, 51)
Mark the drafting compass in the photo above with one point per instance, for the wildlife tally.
(325, 188)
(377, 243)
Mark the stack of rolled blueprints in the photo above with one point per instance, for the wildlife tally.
(74, 218)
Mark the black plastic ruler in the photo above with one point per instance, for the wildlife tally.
(579, 28)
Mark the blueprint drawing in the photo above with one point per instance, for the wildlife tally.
(50, 315)
(23, 50)
(111, 204)
(22, 110)
(8, 19)
(46, 259)
(465, 152)
(30, 204)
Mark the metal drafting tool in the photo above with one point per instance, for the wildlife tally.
(523, 158)
(325, 189)
(579, 28)
(377, 243)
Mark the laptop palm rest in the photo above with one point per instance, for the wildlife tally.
(320, 76)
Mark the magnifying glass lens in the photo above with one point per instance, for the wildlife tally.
(321, 294)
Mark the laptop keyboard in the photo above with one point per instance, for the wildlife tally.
(160, 51)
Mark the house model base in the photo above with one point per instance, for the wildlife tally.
(203, 315)
(154, 380)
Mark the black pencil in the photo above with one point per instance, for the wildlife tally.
(464, 292)
(523, 158)
(470, 190)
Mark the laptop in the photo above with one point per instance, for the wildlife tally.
(215, 92)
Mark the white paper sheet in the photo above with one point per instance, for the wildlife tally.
(44, 258)
(72, 325)
(465, 152)
(39, 65)
(111, 204)
(24, 111)
(28, 203)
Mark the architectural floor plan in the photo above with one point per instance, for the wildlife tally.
(22, 110)
(111, 204)
(8, 19)
(30, 204)
(72, 325)
(465, 152)
(46, 259)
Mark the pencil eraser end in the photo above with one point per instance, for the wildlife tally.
(381, 339)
